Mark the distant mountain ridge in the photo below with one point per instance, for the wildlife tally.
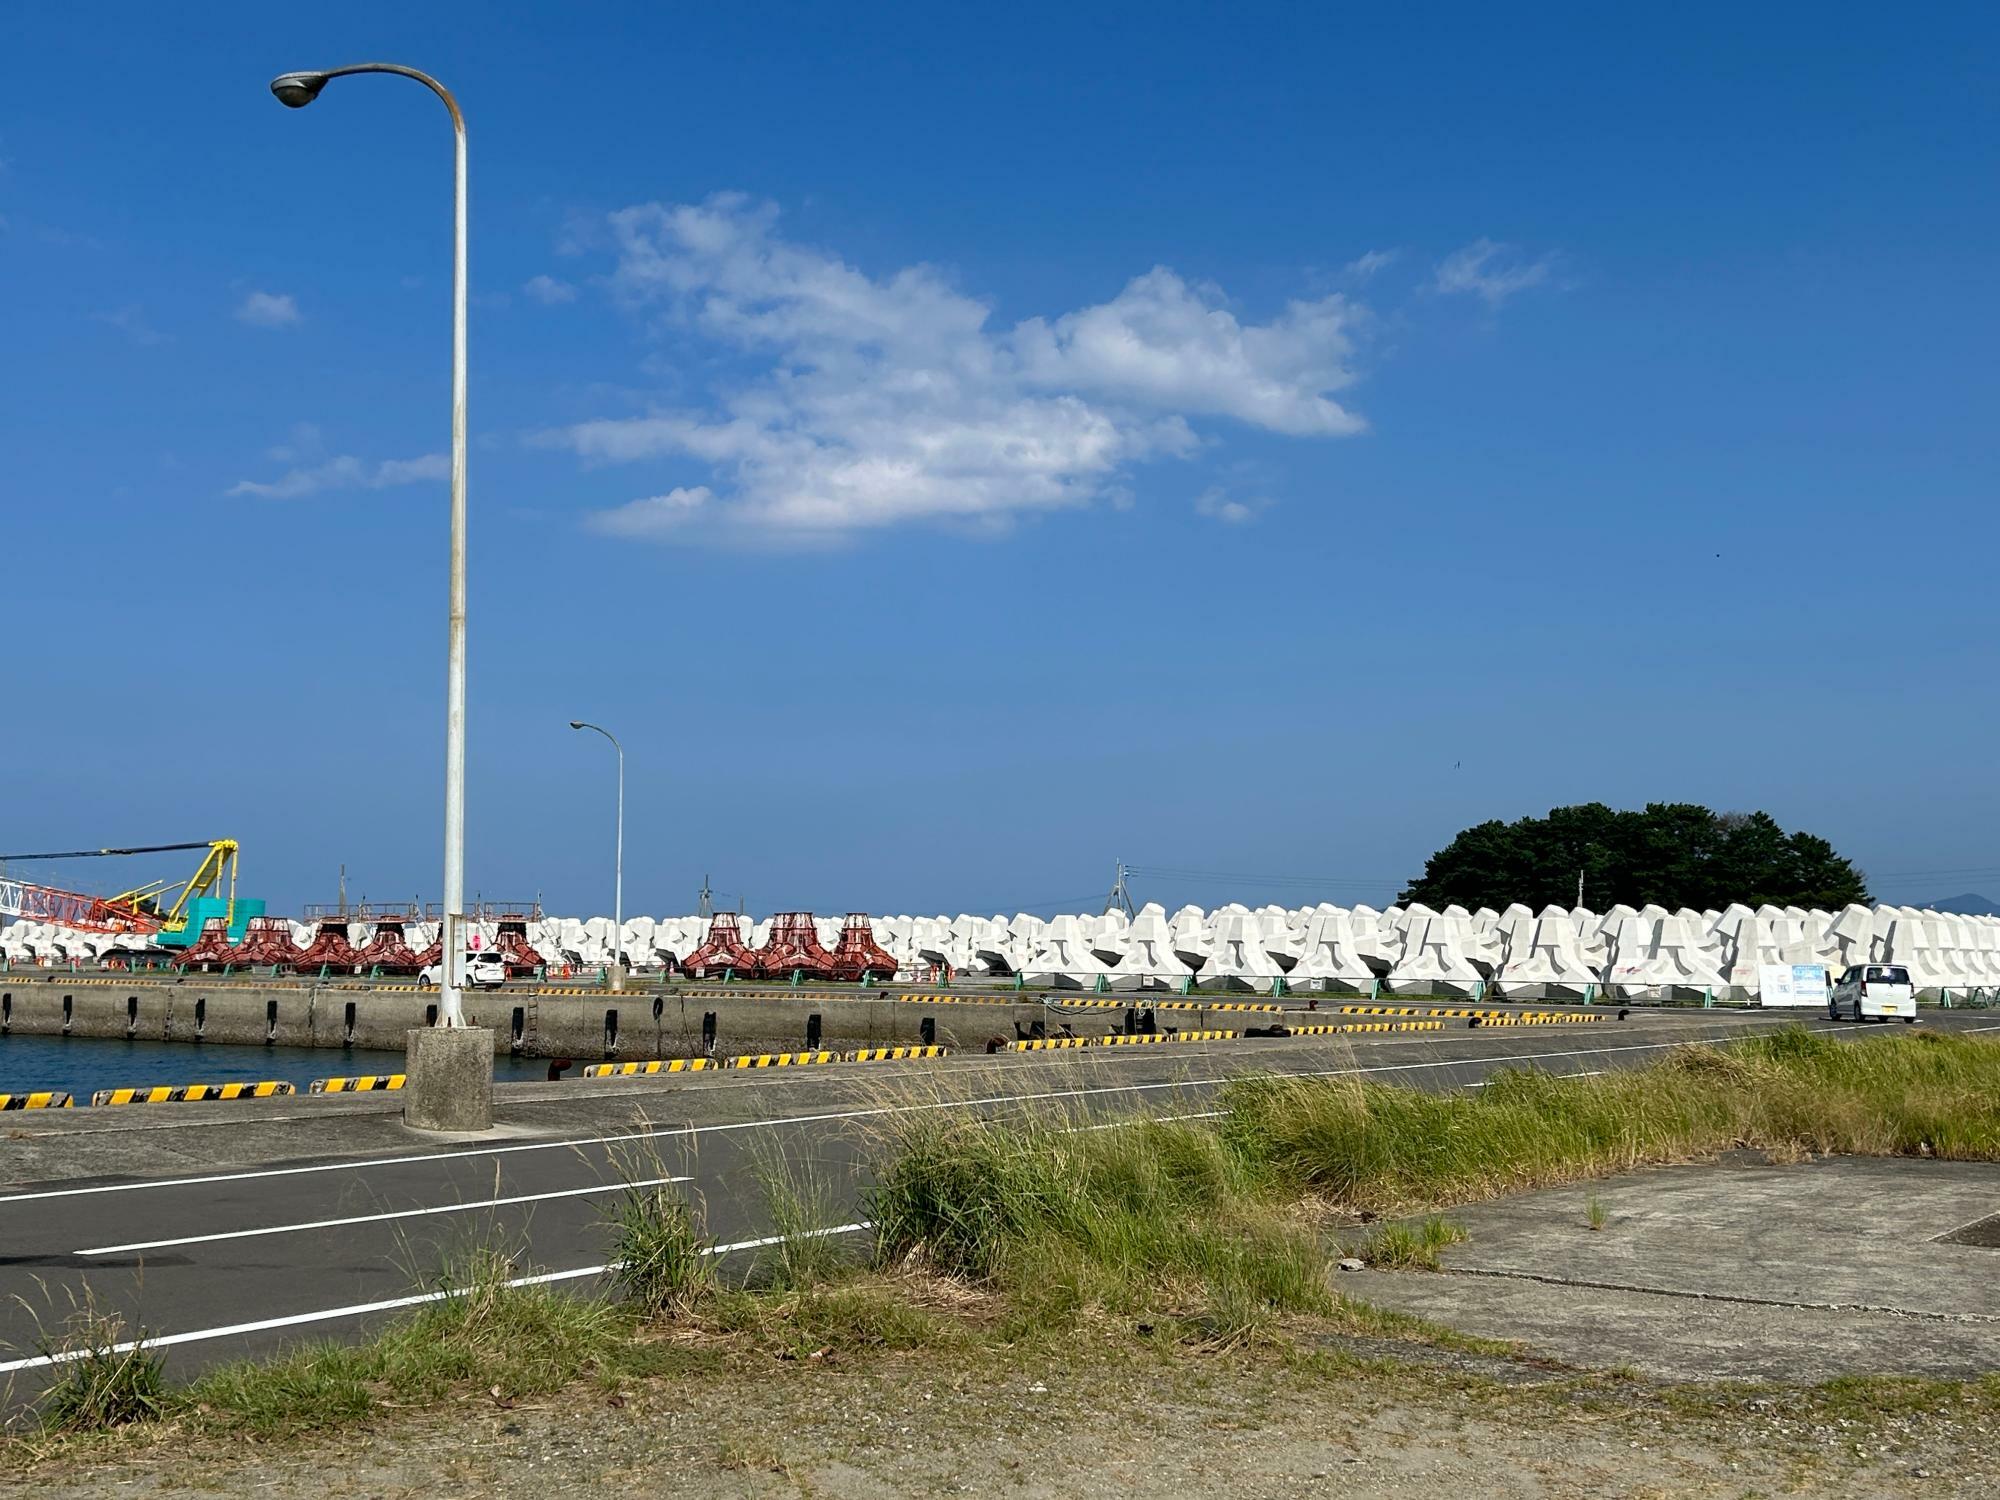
(1968, 905)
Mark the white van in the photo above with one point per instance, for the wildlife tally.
(485, 970)
(1873, 991)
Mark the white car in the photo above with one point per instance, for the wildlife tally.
(483, 971)
(1873, 992)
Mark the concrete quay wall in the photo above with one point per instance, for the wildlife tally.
(633, 1026)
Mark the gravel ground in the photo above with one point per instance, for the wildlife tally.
(1086, 1424)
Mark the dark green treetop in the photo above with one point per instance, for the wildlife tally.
(1672, 854)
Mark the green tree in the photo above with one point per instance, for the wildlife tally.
(1671, 854)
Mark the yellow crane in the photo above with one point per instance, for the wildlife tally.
(147, 908)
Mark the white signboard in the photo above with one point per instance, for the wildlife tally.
(1792, 984)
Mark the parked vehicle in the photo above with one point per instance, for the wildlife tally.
(1873, 992)
(483, 971)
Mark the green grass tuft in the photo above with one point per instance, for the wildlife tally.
(662, 1262)
(1412, 1247)
(96, 1384)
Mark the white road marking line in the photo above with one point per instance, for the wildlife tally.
(402, 1213)
(1591, 1073)
(390, 1304)
(1134, 1055)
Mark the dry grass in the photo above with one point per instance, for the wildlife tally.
(1383, 1149)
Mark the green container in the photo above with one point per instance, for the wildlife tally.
(201, 909)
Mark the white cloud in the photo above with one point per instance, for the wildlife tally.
(1491, 271)
(1216, 504)
(131, 321)
(660, 515)
(1166, 344)
(871, 401)
(268, 310)
(1366, 265)
(314, 474)
(548, 291)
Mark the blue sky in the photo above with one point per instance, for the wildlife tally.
(956, 451)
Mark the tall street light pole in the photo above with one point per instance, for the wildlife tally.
(295, 91)
(618, 879)
(450, 1066)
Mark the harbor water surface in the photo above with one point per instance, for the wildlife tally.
(82, 1065)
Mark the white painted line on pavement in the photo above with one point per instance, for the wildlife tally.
(401, 1213)
(1135, 1055)
(390, 1304)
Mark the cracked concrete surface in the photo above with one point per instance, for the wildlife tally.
(1731, 1270)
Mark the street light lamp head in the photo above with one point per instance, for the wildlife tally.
(576, 723)
(297, 90)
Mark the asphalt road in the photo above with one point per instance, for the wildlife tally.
(229, 1230)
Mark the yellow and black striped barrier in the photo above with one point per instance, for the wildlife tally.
(1133, 1002)
(161, 1095)
(895, 1054)
(1380, 1010)
(781, 1059)
(46, 1099)
(1542, 1019)
(194, 1093)
(1139, 1038)
(647, 1069)
(1328, 1028)
(364, 1083)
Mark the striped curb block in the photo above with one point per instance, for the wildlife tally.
(782, 1059)
(1145, 1039)
(1345, 1027)
(1505, 1020)
(647, 1069)
(1070, 1043)
(49, 1099)
(759, 1060)
(895, 1054)
(193, 1093)
(364, 1083)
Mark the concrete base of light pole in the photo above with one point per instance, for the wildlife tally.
(449, 1083)
(614, 978)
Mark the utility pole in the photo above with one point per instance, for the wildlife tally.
(1120, 898)
(707, 901)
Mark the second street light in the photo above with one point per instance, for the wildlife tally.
(450, 1087)
(618, 876)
